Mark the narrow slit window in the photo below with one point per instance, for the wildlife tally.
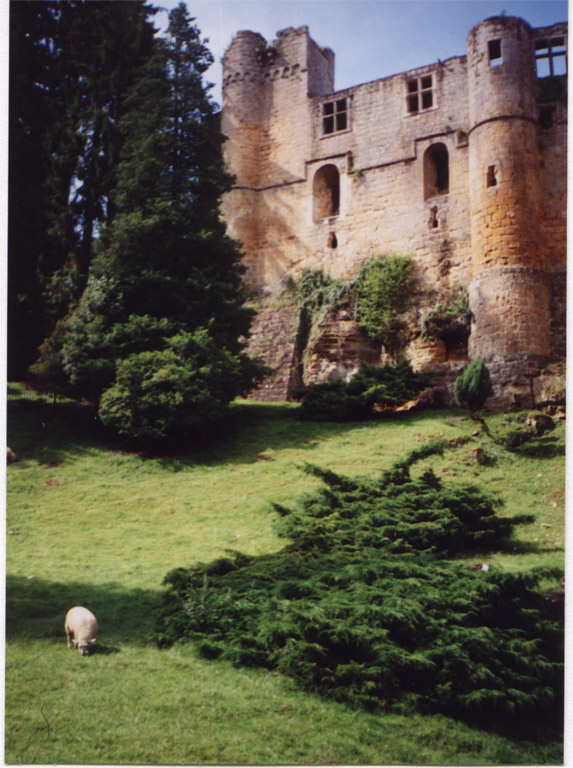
(491, 176)
(434, 217)
(494, 53)
(546, 118)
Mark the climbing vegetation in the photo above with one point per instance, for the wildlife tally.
(454, 304)
(367, 605)
(385, 289)
(382, 292)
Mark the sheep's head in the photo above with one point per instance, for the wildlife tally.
(85, 647)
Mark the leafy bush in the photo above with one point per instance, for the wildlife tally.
(339, 400)
(362, 607)
(174, 391)
(384, 289)
(473, 387)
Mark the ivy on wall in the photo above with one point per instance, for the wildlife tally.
(380, 295)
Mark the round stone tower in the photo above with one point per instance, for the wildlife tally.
(243, 125)
(509, 291)
(242, 119)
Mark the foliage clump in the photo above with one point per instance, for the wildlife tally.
(385, 289)
(367, 394)
(316, 290)
(453, 307)
(473, 387)
(363, 607)
(382, 292)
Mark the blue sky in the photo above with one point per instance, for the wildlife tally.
(370, 38)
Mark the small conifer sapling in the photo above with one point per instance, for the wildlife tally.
(473, 387)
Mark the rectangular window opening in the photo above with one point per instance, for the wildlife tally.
(559, 66)
(335, 116)
(420, 94)
(494, 52)
(551, 57)
(542, 46)
(491, 177)
(341, 121)
(328, 125)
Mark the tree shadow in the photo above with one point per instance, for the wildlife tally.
(36, 608)
(44, 432)
(51, 433)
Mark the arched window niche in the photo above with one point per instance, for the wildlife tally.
(436, 171)
(326, 193)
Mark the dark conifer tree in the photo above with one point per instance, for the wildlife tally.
(156, 339)
(71, 64)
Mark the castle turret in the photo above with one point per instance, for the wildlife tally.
(267, 89)
(509, 290)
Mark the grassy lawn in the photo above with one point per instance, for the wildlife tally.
(90, 523)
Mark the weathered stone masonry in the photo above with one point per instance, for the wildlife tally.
(461, 164)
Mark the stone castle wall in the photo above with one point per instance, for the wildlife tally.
(327, 180)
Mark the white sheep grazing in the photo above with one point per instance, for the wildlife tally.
(81, 629)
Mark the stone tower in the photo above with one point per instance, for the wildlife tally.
(509, 289)
(266, 92)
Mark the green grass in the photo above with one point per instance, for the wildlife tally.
(91, 523)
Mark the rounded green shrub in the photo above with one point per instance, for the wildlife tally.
(173, 392)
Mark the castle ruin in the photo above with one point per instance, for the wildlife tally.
(461, 164)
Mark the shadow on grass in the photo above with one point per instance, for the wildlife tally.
(36, 608)
(51, 433)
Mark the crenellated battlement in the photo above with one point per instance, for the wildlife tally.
(268, 74)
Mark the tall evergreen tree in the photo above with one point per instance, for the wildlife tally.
(30, 114)
(156, 339)
(70, 67)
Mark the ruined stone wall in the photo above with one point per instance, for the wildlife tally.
(380, 165)
(329, 179)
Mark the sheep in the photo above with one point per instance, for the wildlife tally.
(81, 629)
